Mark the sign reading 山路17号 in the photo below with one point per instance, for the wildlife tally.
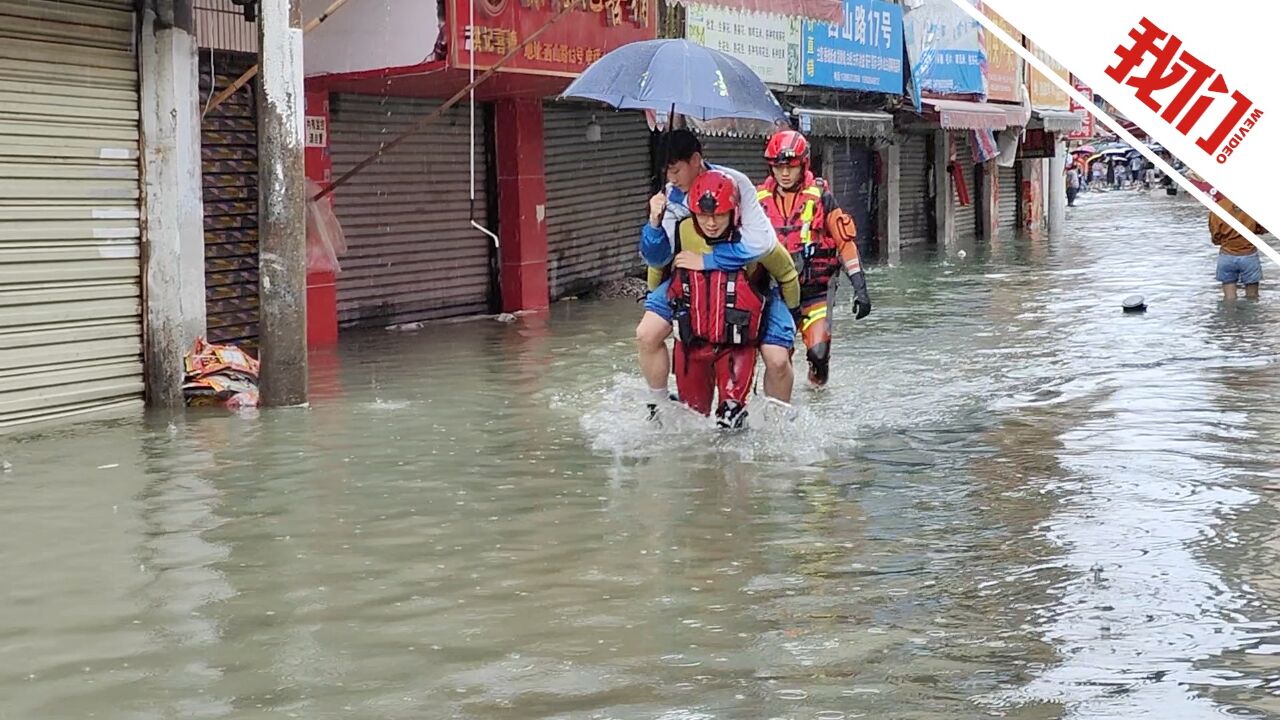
(864, 54)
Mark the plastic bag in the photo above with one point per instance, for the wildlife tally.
(219, 375)
(325, 241)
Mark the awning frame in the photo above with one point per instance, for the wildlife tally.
(967, 115)
(824, 122)
(1057, 121)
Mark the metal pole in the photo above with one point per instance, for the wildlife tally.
(282, 237)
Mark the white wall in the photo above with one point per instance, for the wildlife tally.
(369, 34)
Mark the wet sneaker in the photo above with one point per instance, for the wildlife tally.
(777, 408)
(652, 408)
(731, 416)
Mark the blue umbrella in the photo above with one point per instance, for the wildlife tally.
(677, 76)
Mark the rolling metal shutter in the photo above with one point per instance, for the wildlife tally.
(853, 184)
(229, 151)
(70, 274)
(1008, 198)
(596, 195)
(412, 253)
(913, 186)
(746, 155)
(966, 215)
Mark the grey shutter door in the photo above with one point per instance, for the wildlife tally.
(1008, 197)
(913, 221)
(966, 215)
(412, 253)
(70, 209)
(853, 183)
(746, 155)
(597, 194)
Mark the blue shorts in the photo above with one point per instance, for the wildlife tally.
(1239, 269)
(779, 328)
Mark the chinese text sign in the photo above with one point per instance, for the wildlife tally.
(591, 29)
(864, 54)
(768, 44)
(944, 46)
(1192, 95)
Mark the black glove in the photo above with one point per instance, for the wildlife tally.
(861, 301)
(796, 316)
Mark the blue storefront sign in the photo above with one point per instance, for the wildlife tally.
(864, 54)
(944, 47)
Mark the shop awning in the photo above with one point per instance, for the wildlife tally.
(830, 11)
(1058, 120)
(844, 123)
(967, 115)
(1018, 116)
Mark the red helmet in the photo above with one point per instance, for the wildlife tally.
(787, 147)
(714, 193)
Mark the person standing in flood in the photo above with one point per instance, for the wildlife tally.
(1073, 184)
(1238, 260)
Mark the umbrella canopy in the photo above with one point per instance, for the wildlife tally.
(667, 75)
(1089, 149)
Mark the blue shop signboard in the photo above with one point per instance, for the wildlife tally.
(864, 54)
(944, 47)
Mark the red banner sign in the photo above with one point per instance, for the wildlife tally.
(591, 29)
(1087, 129)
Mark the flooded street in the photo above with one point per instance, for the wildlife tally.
(1012, 501)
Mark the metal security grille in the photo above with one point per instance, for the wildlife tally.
(229, 153)
(70, 232)
(966, 215)
(1008, 198)
(913, 221)
(412, 253)
(596, 194)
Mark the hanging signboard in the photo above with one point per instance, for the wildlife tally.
(590, 30)
(1037, 144)
(768, 44)
(863, 54)
(1004, 67)
(1044, 94)
(1087, 129)
(944, 47)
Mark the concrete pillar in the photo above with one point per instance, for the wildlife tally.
(174, 224)
(282, 231)
(1057, 187)
(944, 207)
(322, 286)
(988, 197)
(891, 203)
(522, 204)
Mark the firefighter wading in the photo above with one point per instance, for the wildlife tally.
(821, 239)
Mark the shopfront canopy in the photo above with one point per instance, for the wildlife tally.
(967, 115)
(844, 123)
